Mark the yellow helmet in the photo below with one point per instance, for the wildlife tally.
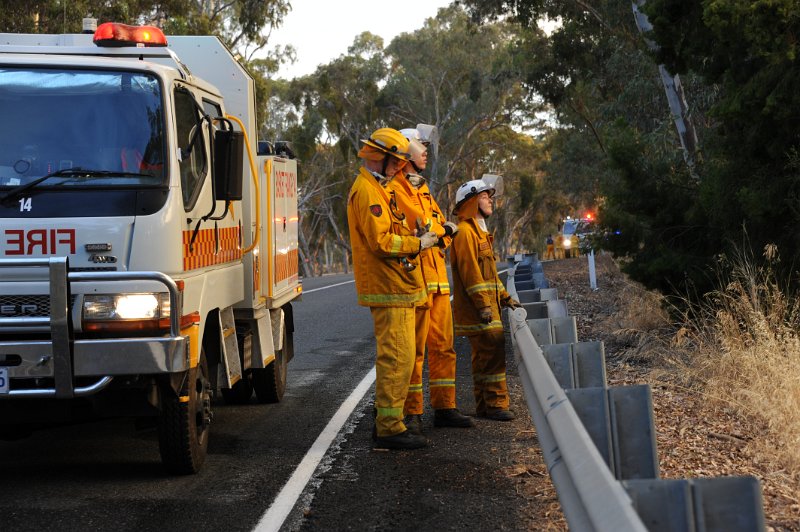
(389, 141)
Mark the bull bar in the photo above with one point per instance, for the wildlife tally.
(63, 357)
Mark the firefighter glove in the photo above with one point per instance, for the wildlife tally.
(511, 303)
(486, 314)
(450, 229)
(427, 240)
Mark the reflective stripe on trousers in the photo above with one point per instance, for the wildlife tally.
(394, 338)
(489, 371)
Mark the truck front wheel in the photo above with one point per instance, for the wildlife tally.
(183, 423)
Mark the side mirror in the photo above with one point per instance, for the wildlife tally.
(228, 165)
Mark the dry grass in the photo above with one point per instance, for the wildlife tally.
(640, 327)
(748, 356)
(725, 379)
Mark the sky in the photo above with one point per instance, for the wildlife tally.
(322, 30)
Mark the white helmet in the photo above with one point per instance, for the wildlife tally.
(410, 133)
(415, 146)
(471, 189)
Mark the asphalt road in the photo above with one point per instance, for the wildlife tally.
(108, 476)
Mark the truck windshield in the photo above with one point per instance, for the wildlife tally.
(104, 126)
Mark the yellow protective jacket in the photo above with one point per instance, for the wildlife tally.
(380, 238)
(475, 281)
(421, 209)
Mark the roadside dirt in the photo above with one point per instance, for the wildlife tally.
(695, 437)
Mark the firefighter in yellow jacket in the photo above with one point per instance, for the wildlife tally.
(388, 279)
(434, 321)
(478, 295)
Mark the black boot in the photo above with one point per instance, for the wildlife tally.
(451, 417)
(499, 415)
(402, 441)
(413, 423)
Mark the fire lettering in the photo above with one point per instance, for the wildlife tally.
(14, 242)
(39, 241)
(285, 184)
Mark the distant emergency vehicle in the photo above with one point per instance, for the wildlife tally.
(581, 227)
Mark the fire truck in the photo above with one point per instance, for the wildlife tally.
(148, 254)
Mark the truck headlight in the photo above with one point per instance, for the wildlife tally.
(567, 242)
(105, 307)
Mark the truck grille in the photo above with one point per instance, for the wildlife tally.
(26, 306)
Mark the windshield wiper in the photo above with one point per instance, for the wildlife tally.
(80, 174)
(66, 172)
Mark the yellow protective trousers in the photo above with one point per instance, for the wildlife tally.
(422, 320)
(434, 330)
(394, 337)
(441, 355)
(489, 371)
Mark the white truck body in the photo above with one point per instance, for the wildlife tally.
(94, 261)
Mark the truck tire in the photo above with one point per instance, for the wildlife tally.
(270, 382)
(241, 392)
(183, 425)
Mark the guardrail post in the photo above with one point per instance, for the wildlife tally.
(578, 365)
(565, 330)
(591, 405)
(556, 308)
(529, 296)
(589, 359)
(721, 504)
(559, 358)
(632, 425)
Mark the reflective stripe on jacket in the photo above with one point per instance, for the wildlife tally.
(380, 238)
(475, 281)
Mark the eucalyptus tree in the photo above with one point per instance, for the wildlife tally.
(450, 73)
(739, 61)
(462, 79)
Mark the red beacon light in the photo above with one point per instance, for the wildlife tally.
(113, 34)
(589, 216)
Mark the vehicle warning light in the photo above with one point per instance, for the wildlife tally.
(115, 34)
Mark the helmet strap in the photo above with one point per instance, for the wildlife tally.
(385, 164)
(483, 214)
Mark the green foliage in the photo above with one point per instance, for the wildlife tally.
(738, 62)
(460, 77)
(748, 50)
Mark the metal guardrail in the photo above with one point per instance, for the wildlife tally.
(599, 442)
(591, 498)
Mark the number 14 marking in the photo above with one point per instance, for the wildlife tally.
(25, 204)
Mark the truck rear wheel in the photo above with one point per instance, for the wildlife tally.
(239, 393)
(270, 382)
(183, 423)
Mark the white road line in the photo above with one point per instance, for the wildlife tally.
(273, 518)
(325, 287)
